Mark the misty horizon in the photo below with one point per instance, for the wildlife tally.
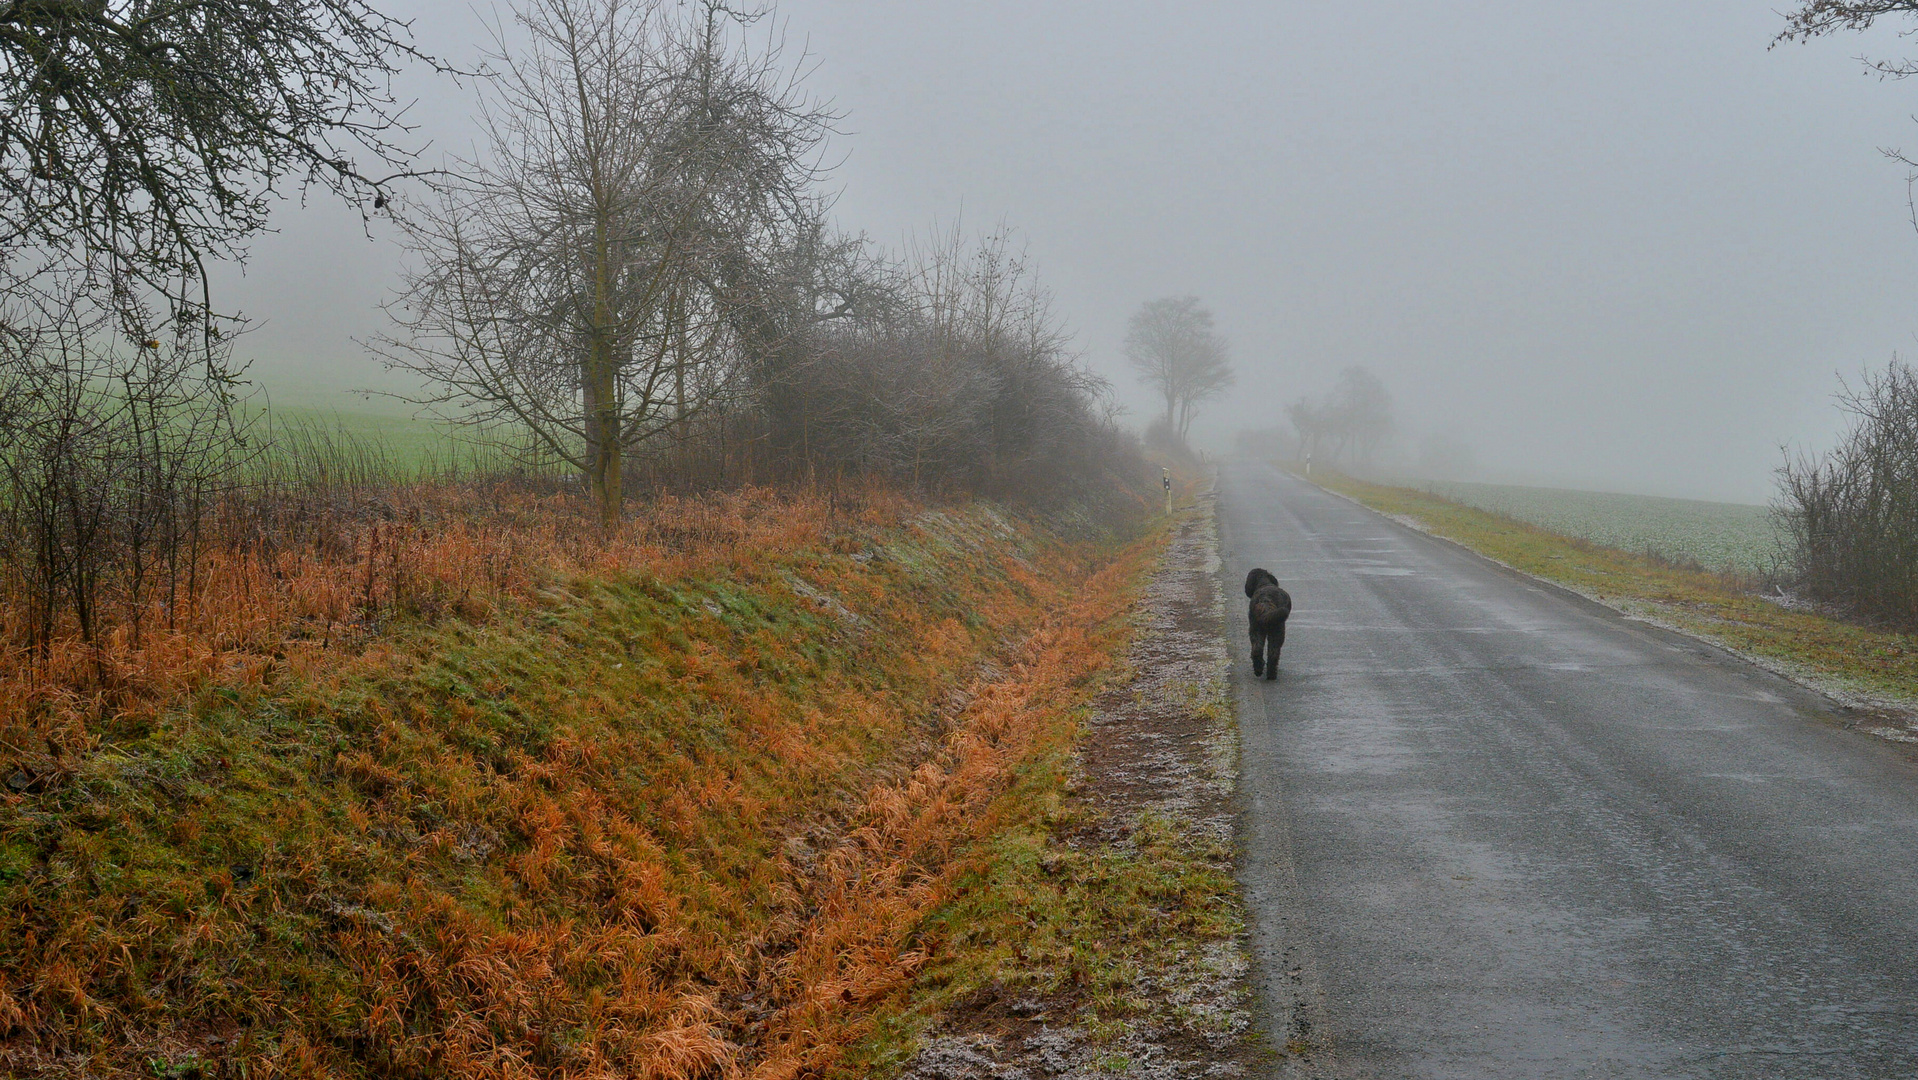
(1630, 251)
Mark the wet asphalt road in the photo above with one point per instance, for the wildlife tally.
(1507, 833)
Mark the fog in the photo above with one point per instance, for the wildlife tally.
(1619, 246)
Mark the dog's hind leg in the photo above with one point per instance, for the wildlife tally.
(1275, 642)
(1258, 651)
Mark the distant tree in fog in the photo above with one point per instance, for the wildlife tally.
(1355, 419)
(1176, 351)
(1362, 413)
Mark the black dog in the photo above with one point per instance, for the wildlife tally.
(1268, 611)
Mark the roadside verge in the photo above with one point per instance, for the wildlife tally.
(1103, 931)
(1871, 674)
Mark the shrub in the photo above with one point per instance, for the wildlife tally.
(1851, 518)
(957, 377)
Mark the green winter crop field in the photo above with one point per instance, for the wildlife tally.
(1718, 536)
(373, 443)
(390, 428)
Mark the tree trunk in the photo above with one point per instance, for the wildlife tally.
(602, 397)
(679, 363)
(601, 386)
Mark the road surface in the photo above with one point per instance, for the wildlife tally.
(1495, 830)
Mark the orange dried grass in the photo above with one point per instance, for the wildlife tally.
(900, 864)
(620, 948)
(301, 602)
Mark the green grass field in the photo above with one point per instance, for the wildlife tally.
(1730, 537)
(375, 443)
(396, 430)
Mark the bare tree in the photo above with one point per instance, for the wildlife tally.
(150, 134)
(113, 453)
(1308, 421)
(614, 264)
(140, 139)
(1361, 413)
(1816, 18)
(1356, 416)
(1173, 346)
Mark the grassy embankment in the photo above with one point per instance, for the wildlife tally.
(477, 795)
(1094, 911)
(1829, 653)
(480, 795)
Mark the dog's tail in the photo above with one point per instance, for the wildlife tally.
(1271, 606)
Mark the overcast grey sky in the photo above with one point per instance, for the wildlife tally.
(1613, 245)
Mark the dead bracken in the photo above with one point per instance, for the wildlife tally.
(1127, 957)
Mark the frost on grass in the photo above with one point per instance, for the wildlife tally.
(1140, 968)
